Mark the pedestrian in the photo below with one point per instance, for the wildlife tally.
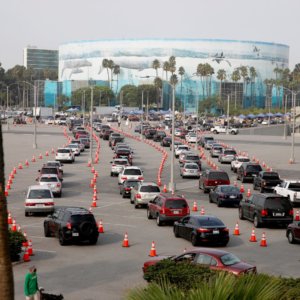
(31, 289)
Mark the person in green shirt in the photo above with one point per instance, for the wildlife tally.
(31, 289)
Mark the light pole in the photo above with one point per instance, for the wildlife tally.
(147, 107)
(285, 124)
(142, 116)
(227, 129)
(34, 120)
(172, 184)
(7, 91)
(91, 124)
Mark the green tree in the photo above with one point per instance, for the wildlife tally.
(166, 68)
(105, 65)
(181, 72)
(158, 85)
(235, 77)
(156, 66)
(172, 64)
(221, 76)
(62, 101)
(244, 74)
(117, 71)
(253, 75)
(7, 280)
(130, 95)
(110, 65)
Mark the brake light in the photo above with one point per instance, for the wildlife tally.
(138, 196)
(58, 185)
(141, 178)
(29, 204)
(245, 173)
(225, 229)
(113, 165)
(127, 189)
(69, 225)
(49, 203)
(291, 212)
(264, 212)
(202, 230)
(124, 178)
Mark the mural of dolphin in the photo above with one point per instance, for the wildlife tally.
(75, 71)
(74, 64)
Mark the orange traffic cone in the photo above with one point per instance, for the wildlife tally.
(263, 242)
(52, 151)
(47, 153)
(263, 164)
(202, 212)
(26, 163)
(30, 249)
(91, 210)
(195, 208)
(19, 229)
(100, 227)
(236, 229)
(92, 183)
(165, 188)
(20, 167)
(94, 203)
(26, 257)
(242, 189)
(9, 219)
(95, 196)
(33, 159)
(40, 156)
(158, 181)
(125, 241)
(6, 193)
(15, 170)
(152, 250)
(95, 189)
(25, 243)
(248, 193)
(14, 225)
(93, 170)
(297, 217)
(89, 164)
(253, 237)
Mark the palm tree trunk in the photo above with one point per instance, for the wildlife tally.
(7, 280)
(108, 77)
(181, 92)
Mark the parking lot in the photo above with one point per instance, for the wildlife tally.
(107, 270)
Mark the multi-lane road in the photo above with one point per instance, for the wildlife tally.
(106, 270)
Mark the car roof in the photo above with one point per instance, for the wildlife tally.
(38, 187)
(191, 163)
(132, 167)
(149, 183)
(73, 209)
(215, 252)
(48, 176)
(172, 196)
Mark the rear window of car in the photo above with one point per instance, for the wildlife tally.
(149, 189)
(218, 148)
(49, 179)
(229, 152)
(131, 183)
(277, 203)
(243, 159)
(192, 157)
(218, 176)
(132, 172)
(229, 259)
(208, 138)
(229, 189)
(172, 203)
(210, 222)
(83, 218)
(39, 194)
(253, 168)
(53, 164)
(49, 171)
(120, 162)
(123, 151)
(295, 186)
(63, 151)
(192, 167)
(271, 176)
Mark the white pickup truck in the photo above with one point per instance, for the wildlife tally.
(223, 129)
(289, 188)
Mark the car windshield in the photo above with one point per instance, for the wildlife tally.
(132, 172)
(53, 164)
(192, 157)
(49, 171)
(84, 140)
(254, 168)
(192, 134)
(131, 183)
(121, 162)
(49, 179)
(39, 194)
(191, 166)
(209, 222)
(179, 203)
(295, 186)
(229, 259)
(207, 139)
(271, 176)
(149, 189)
(63, 151)
(73, 146)
(218, 176)
(229, 189)
(230, 152)
(278, 203)
(210, 141)
(183, 148)
(243, 159)
(82, 218)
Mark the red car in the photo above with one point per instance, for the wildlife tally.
(167, 207)
(213, 258)
(211, 178)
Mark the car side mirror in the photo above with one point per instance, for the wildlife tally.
(50, 216)
(39, 170)
(151, 201)
(111, 162)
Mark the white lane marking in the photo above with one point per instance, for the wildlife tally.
(33, 224)
(42, 250)
(37, 237)
(123, 216)
(122, 225)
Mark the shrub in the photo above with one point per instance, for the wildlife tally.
(15, 244)
(183, 275)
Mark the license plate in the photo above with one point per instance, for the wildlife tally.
(278, 214)
(39, 205)
(176, 212)
(75, 234)
(232, 197)
(216, 231)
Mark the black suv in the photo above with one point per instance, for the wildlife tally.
(266, 209)
(158, 136)
(247, 171)
(265, 181)
(71, 224)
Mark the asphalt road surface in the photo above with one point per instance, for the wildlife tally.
(106, 270)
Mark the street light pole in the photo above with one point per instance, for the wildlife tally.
(285, 124)
(172, 185)
(147, 113)
(91, 124)
(83, 108)
(34, 120)
(7, 91)
(142, 116)
(228, 99)
(292, 159)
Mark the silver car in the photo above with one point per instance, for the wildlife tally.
(190, 170)
(143, 193)
(53, 182)
(117, 166)
(227, 156)
(75, 149)
(208, 144)
(216, 150)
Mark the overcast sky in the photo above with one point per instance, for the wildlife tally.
(49, 23)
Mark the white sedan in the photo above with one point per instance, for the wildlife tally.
(237, 162)
(130, 173)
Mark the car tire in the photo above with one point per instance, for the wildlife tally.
(111, 174)
(219, 203)
(210, 199)
(46, 231)
(93, 241)
(131, 201)
(59, 194)
(261, 190)
(61, 239)
(194, 240)
(176, 233)
(149, 216)
(158, 220)
(290, 237)
(123, 195)
(241, 214)
(26, 214)
(256, 222)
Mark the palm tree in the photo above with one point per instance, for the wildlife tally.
(235, 76)
(201, 73)
(7, 280)
(181, 72)
(156, 66)
(158, 86)
(105, 65)
(117, 71)
(209, 71)
(253, 75)
(172, 64)
(221, 76)
(110, 65)
(166, 68)
(244, 75)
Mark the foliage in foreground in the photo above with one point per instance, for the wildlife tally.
(15, 244)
